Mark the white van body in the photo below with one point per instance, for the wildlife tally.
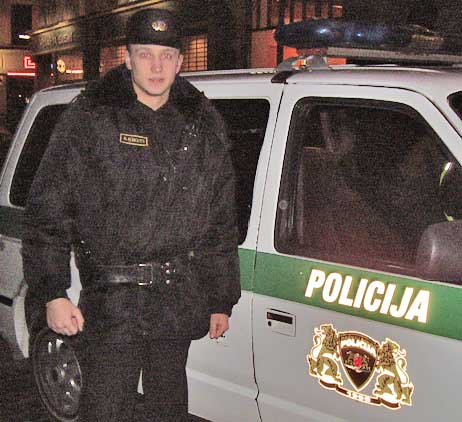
(355, 334)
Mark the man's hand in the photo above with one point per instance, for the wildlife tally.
(218, 325)
(63, 317)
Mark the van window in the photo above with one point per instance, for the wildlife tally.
(455, 101)
(32, 153)
(361, 183)
(246, 121)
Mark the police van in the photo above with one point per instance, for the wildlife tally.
(350, 198)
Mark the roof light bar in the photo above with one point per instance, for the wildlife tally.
(350, 34)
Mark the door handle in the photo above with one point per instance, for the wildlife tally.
(281, 322)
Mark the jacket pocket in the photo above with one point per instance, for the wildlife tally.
(185, 310)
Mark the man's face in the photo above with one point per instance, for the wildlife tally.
(154, 68)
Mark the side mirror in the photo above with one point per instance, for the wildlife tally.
(439, 256)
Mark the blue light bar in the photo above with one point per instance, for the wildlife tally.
(350, 34)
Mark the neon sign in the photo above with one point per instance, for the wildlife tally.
(360, 357)
(28, 63)
(21, 74)
(370, 295)
(61, 66)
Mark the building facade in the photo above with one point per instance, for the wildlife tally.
(82, 39)
(78, 39)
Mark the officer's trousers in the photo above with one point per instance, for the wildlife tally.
(110, 371)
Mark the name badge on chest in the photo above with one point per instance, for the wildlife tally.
(135, 140)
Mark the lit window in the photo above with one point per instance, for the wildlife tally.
(268, 14)
(195, 53)
(111, 57)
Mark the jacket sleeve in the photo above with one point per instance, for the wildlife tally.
(221, 264)
(46, 240)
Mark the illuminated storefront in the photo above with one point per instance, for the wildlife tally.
(17, 68)
(17, 73)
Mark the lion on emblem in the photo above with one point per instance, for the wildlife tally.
(323, 356)
(392, 385)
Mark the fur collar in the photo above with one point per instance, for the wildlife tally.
(115, 89)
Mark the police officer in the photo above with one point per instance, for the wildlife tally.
(138, 180)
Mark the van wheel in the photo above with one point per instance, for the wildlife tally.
(57, 374)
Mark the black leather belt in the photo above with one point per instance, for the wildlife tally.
(138, 274)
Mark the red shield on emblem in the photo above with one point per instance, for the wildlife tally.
(358, 354)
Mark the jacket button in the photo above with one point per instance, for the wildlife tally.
(167, 281)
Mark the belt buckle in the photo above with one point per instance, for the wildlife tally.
(144, 269)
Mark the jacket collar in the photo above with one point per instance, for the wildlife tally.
(115, 89)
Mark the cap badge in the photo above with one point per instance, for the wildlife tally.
(159, 26)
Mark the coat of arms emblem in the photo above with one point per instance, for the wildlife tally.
(361, 357)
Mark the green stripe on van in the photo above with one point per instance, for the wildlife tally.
(11, 222)
(287, 278)
(247, 265)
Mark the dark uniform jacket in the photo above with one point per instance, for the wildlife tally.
(137, 185)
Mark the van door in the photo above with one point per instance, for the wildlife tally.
(345, 325)
(17, 177)
(220, 372)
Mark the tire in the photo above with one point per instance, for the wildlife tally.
(57, 374)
